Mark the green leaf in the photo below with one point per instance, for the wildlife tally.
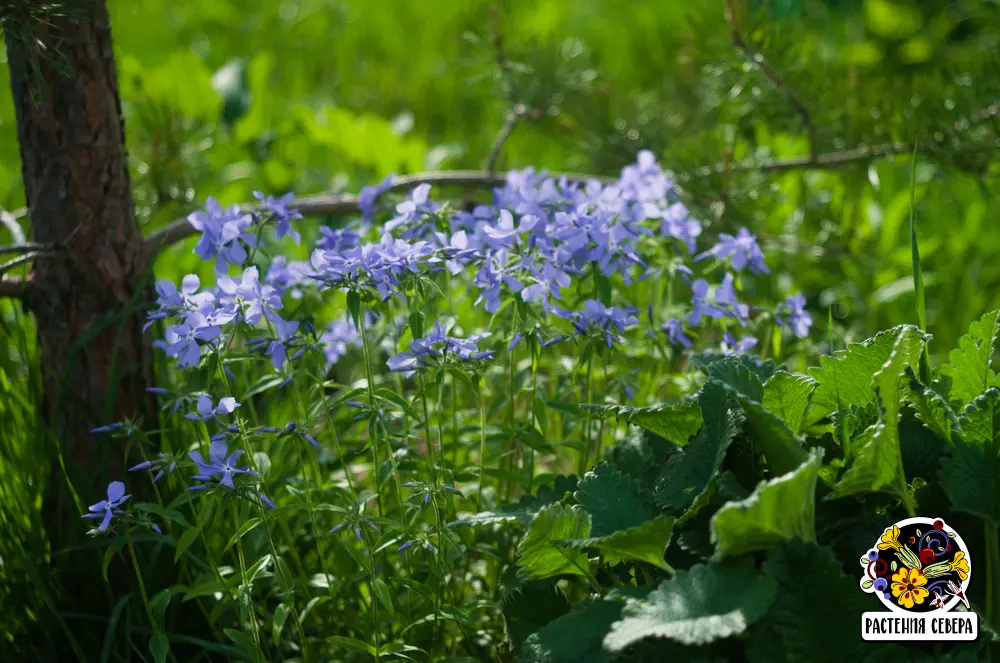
(696, 607)
(930, 407)
(762, 369)
(244, 642)
(109, 554)
(733, 373)
(969, 369)
(787, 395)
(689, 472)
(159, 647)
(778, 510)
(877, 462)
(384, 596)
(354, 307)
(613, 500)
(526, 508)
(158, 606)
(278, 621)
(814, 629)
(674, 423)
(854, 367)
(577, 636)
(778, 443)
(187, 538)
(540, 557)
(343, 641)
(970, 473)
(527, 605)
(643, 543)
(246, 527)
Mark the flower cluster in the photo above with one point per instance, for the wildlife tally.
(438, 348)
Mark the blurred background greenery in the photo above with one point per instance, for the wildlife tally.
(222, 98)
(328, 95)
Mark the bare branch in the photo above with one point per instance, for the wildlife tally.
(27, 247)
(25, 259)
(793, 98)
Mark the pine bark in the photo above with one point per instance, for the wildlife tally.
(96, 362)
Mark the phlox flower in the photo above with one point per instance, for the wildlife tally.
(218, 463)
(106, 509)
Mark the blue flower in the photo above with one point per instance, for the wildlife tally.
(675, 332)
(219, 463)
(249, 296)
(224, 234)
(731, 346)
(164, 463)
(438, 346)
(182, 339)
(285, 331)
(369, 195)
(105, 509)
(205, 410)
(608, 320)
(677, 223)
(742, 250)
(799, 320)
(282, 214)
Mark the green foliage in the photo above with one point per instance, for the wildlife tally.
(969, 370)
(688, 473)
(779, 510)
(696, 607)
(674, 423)
(613, 500)
(538, 554)
(970, 474)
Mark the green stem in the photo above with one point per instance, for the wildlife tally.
(482, 442)
(585, 458)
(243, 580)
(142, 585)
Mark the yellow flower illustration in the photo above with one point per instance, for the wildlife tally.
(908, 587)
(890, 539)
(960, 565)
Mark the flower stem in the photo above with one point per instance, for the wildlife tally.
(585, 458)
(482, 442)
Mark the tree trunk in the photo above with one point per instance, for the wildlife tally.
(96, 362)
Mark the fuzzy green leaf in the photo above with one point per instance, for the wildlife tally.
(969, 369)
(643, 543)
(930, 407)
(778, 510)
(540, 557)
(733, 373)
(528, 605)
(970, 473)
(525, 509)
(877, 462)
(614, 501)
(850, 371)
(781, 448)
(576, 636)
(689, 472)
(675, 423)
(817, 613)
(695, 607)
(787, 395)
